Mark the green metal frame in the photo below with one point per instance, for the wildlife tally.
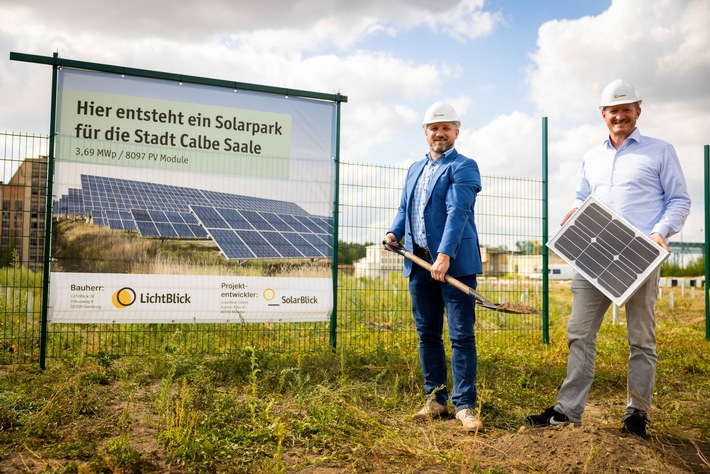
(707, 242)
(336, 214)
(56, 62)
(168, 76)
(545, 257)
(48, 222)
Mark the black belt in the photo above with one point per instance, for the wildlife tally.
(421, 252)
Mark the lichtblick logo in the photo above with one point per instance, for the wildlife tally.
(124, 298)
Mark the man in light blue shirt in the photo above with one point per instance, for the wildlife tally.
(640, 178)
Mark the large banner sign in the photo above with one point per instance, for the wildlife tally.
(220, 200)
(176, 299)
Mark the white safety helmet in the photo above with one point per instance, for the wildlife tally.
(440, 111)
(619, 92)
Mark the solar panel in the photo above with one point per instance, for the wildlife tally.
(231, 246)
(199, 231)
(310, 225)
(257, 222)
(235, 219)
(282, 245)
(166, 229)
(294, 223)
(245, 234)
(321, 245)
(71, 203)
(209, 217)
(276, 222)
(243, 227)
(147, 229)
(613, 255)
(298, 241)
(257, 244)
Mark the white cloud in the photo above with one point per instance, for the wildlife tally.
(302, 44)
(659, 46)
(331, 46)
(662, 47)
(507, 143)
(308, 23)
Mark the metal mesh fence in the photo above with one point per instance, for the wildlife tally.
(373, 307)
(23, 174)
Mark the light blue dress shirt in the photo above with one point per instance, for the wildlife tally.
(420, 193)
(642, 181)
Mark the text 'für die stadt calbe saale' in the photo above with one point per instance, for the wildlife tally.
(137, 125)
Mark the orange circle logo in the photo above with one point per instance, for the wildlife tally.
(123, 298)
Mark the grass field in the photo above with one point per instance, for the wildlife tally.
(349, 410)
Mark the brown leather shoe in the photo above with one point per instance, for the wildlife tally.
(469, 419)
(432, 409)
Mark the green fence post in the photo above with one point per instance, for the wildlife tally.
(545, 280)
(336, 213)
(48, 221)
(707, 241)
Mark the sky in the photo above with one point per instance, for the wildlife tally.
(503, 64)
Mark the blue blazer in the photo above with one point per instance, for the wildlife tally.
(448, 214)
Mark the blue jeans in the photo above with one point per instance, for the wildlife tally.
(429, 299)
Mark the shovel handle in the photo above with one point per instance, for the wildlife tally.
(449, 279)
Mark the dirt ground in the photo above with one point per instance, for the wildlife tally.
(586, 449)
(597, 446)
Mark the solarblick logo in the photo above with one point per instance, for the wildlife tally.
(123, 298)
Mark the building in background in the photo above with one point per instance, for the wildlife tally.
(378, 263)
(22, 222)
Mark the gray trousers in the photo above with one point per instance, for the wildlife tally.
(588, 308)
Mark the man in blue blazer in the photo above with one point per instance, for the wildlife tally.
(436, 219)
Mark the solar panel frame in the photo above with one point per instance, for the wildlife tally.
(613, 255)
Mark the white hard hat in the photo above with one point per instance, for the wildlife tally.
(440, 111)
(619, 92)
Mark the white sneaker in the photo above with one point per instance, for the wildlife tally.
(469, 419)
(432, 409)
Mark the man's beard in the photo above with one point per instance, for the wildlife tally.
(440, 147)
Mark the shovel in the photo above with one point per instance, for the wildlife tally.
(480, 299)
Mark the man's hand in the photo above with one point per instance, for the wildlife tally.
(567, 216)
(440, 267)
(390, 239)
(658, 238)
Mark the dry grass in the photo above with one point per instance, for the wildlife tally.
(256, 411)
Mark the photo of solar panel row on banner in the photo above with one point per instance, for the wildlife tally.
(243, 227)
